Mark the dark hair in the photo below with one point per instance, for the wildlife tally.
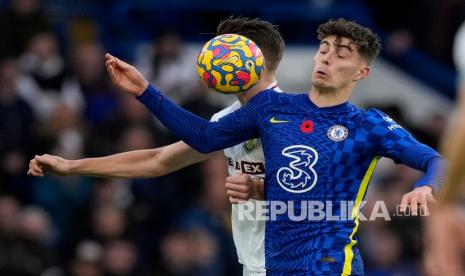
(367, 41)
(263, 33)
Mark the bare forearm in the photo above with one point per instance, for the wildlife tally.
(133, 164)
(139, 163)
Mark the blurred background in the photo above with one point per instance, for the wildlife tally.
(55, 97)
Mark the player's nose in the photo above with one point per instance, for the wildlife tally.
(326, 59)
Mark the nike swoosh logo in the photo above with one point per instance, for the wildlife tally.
(274, 121)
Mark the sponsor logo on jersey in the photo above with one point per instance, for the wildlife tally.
(273, 120)
(337, 133)
(247, 167)
(299, 176)
(388, 119)
(250, 145)
(394, 126)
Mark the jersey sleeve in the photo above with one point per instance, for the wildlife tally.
(203, 135)
(398, 144)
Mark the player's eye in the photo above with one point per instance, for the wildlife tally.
(324, 49)
(343, 53)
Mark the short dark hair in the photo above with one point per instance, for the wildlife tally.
(263, 33)
(367, 41)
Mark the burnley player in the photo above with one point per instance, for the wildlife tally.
(248, 235)
(318, 148)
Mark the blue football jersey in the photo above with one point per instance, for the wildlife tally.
(312, 155)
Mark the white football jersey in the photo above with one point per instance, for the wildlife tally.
(248, 235)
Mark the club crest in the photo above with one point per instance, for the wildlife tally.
(249, 145)
(337, 133)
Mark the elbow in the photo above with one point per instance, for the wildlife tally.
(203, 146)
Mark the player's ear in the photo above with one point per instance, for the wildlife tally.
(362, 73)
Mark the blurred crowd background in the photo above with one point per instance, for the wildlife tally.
(55, 97)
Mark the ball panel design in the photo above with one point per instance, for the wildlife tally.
(230, 63)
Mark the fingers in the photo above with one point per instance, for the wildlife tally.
(111, 70)
(45, 159)
(404, 203)
(414, 205)
(417, 202)
(237, 187)
(111, 65)
(237, 178)
(35, 169)
(233, 200)
(237, 195)
(114, 61)
(108, 56)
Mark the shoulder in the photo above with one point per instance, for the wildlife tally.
(273, 97)
(375, 114)
(379, 123)
(376, 120)
(235, 106)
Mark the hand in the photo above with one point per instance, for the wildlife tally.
(444, 241)
(52, 163)
(125, 76)
(241, 187)
(419, 196)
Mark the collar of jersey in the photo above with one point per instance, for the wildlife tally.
(343, 107)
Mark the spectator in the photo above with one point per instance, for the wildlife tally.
(18, 24)
(28, 251)
(92, 81)
(46, 84)
(120, 259)
(88, 259)
(16, 131)
(169, 68)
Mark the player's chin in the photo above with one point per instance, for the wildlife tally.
(321, 84)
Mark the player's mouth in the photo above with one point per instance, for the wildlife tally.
(321, 72)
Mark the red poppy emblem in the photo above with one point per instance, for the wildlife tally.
(307, 126)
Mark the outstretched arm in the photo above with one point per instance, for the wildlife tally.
(402, 147)
(202, 135)
(132, 164)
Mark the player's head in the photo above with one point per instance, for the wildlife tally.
(344, 56)
(263, 33)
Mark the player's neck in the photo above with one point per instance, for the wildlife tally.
(265, 81)
(327, 98)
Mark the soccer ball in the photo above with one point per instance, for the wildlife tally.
(230, 63)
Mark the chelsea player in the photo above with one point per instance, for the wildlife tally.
(248, 235)
(317, 146)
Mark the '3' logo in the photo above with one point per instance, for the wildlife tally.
(300, 176)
